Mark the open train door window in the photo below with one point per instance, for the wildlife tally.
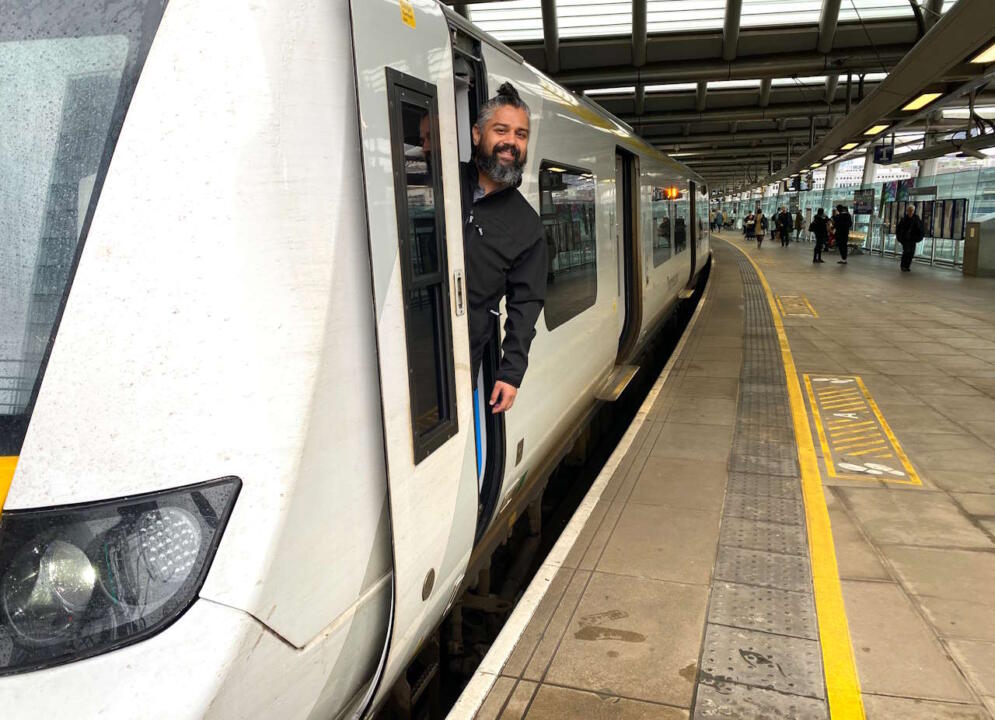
(411, 182)
(627, 226)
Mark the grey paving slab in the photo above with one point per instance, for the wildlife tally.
(494, 703)
(729, 700)
(537, 626)
(519, 701)
(557, 703)
(647, 651)
(708, 411)
(767, 485)
(765, 609)
(977, 660)
(773, 662)
(764, 569)
(913, 518)
(883, 707)
(694, 484)
(767, 536)
(552, 634)
(664, 543)
(856, 558)
(788, 510)
(705, 387)
(692, 441)
(895, 651)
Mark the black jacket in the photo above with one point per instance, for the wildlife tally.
(820, 226)
(909, 230)
(785, 222)
(505, 252)
(843, 223)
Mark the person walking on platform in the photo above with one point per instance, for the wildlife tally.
(843, 223)
(749, 224)
(760, 227)
(820, 228)
(786, 225)
(908, 233)
(799, 224)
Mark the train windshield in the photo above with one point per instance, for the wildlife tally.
(68, 72)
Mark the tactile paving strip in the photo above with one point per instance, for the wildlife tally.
(761, 656)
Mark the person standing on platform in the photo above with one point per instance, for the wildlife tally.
(760, 225)
(799, 224)
(908, 233)
(786, 225)
(749, 224)
(844, 222)
(820, 228)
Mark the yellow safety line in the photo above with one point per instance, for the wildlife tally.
(780, 306)
(812, 309)
(842, 684)
(7, 465)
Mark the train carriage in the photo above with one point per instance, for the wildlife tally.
(236, 412)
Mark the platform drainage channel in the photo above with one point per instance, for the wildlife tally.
(761, 656)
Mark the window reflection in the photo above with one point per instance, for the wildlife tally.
(567, 210)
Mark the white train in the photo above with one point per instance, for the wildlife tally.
(235, 375)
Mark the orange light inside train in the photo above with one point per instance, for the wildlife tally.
(672, 193)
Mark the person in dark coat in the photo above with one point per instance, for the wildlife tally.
(820, 228)
(786, 224)
(503, 241)
(843, 223)
(908, 233)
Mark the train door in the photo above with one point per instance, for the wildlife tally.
(407, 122)
(627, 224)
(470, 85)
(694, 239)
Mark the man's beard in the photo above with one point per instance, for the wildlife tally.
(504, 174)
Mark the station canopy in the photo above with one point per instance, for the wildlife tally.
(733, 88)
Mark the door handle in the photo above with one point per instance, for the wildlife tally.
(460, 301)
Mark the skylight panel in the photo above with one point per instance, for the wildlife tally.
(585, 18)
(857, 10)
(758, 13)
(733, 84)
(509, 21)
(807, 80)
(611, 91)
(672, 87)
(682, 15)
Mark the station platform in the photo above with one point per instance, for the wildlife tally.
(800, 523)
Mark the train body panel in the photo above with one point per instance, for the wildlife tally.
(241, 307)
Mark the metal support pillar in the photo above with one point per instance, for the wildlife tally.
(550, 36)
(699, 101)
(870, 169)
(830, 176)
(764, 99)
(638, 33)
(730, 30)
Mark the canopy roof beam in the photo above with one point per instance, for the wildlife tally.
(730, 30)
(828, 20)
(638, 33)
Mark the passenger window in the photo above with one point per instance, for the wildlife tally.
(663, 226)
(566, 205)
(421, 239)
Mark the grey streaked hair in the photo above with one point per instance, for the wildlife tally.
(507, 95)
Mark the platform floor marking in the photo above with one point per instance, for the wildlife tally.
(842, 683)
(795, 306)
(857, 443)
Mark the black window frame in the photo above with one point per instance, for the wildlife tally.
(544, 163)
(404, 89)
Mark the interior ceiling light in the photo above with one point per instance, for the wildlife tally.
(815, 165)
(922, 101)
(876, 130)
(986, 56)
(830, 157)
(849, 146)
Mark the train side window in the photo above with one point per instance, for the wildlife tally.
(422, 246)
(566, 206)
(663, 226)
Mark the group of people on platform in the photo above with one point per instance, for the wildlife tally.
(829, 231)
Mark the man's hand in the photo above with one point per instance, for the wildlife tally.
(502, 397)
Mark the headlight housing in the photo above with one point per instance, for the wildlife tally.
(80, 580)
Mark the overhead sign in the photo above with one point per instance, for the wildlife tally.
(884, 153)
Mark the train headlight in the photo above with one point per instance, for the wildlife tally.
(80, 580)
